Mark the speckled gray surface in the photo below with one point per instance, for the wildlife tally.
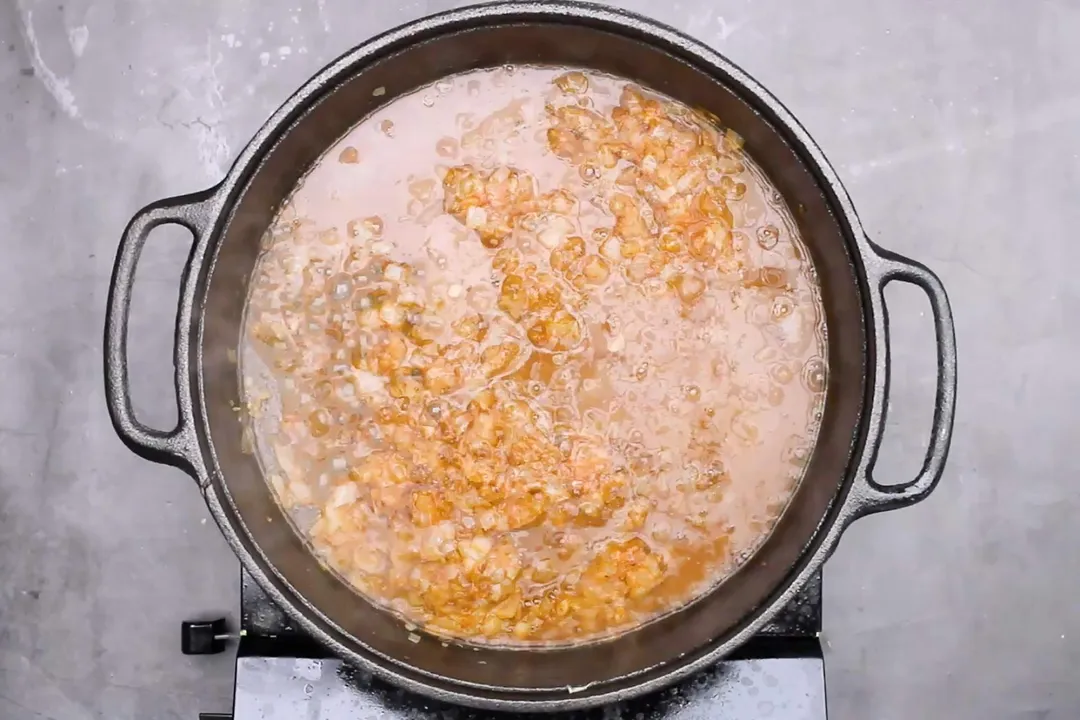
(956, 127)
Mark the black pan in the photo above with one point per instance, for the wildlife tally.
(228, 220)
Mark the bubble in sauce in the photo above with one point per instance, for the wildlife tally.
(814, 375)
(768, 236)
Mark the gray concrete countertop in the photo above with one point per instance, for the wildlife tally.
(956, 127)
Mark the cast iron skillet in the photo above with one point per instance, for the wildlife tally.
(228, 220)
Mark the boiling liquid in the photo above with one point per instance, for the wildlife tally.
(529, 365)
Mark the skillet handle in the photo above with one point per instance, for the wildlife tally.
(877, 497)
(179, 446)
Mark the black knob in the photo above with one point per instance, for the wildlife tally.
(203, 637)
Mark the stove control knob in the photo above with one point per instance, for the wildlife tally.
(203, 637)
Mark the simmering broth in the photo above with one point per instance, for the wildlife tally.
(534, 355)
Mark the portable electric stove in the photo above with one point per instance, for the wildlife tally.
(282, 674)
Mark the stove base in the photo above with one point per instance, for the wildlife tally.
(276, 688)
